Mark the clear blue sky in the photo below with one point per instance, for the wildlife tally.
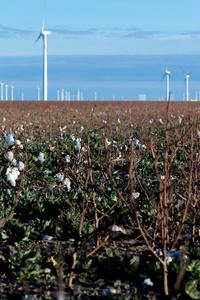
(158, 30)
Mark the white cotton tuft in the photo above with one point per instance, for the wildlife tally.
(60, 177)
(10, 139)
(67, 183)
(20, 165)
(78, 144)
(12, 175)
(67, 158)
(41, 157)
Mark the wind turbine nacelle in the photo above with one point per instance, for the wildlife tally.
(46, 32)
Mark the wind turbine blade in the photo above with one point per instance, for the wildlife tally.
(163, 77)
(183, 71)
(38, 38)
(42, 24)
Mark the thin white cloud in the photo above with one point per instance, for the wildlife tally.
(73, 32)
(7, 32)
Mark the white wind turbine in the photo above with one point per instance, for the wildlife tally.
(44, 34)
(187, 76)
(167, 74)
(12, 94)
(6, 88)
(2, 84)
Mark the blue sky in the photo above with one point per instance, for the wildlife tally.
(109, 46)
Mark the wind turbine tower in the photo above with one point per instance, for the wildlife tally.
(78, 95)
(2, 90)
(38, 94)
(6, 88)
(187, 76)
(12, 88)
(44, 34)
(167, 75)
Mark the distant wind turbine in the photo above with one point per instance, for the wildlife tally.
(2, 90)
(167, 74)
(38, 94)
(187, 76)
(12, 94)
(44, 34)
(6, 94)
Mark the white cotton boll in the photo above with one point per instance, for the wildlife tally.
(160, 120)
(10, 156)
(60, 177)
(144, 146)
(20, 166)
(104, 121)
(81, 129)
(78, 144)
(18, 142)
(14, 162)
(118, 120)
(67, 158)
(137, 142)
(3, 120)
(112, 291)
(15, 173)
(108, 143)
(84, 149)
(11, 179)
(72, 137)
(115, 228)
(136, 195)
(67, 183)
(41, 157)
(22, 127)
(162, 177)
(12, 175)
(147, 281)
(10, 139)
